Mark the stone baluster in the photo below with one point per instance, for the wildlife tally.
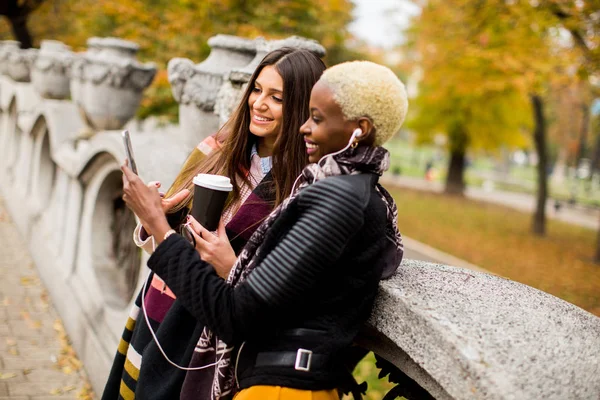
(75, 73)
(107, 83)
(6, 46)
(195, 87)
(20, 62)
(49, 73)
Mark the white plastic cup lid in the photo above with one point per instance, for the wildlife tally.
(215, 182)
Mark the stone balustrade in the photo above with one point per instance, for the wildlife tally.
(458, 334)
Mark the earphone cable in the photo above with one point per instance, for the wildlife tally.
(160, 347)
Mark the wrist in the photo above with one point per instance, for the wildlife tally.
(159, 226)
(168, 233)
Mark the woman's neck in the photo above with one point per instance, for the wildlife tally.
(265, 146)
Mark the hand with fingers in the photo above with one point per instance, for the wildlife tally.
(168, 203)
(145, 201)
(214, 249)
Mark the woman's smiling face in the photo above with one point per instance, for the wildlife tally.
(266, 104)
(326, 130)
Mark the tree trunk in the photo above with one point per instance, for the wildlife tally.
(455, 180)
(21, 31)
(539, 136)
(595, 165)
(585, 122)
(455, 183)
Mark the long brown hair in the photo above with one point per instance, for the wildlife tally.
(299, 70)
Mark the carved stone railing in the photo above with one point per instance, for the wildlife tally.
(462, 334)
(448, 333)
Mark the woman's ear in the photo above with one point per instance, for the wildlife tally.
(368, 131)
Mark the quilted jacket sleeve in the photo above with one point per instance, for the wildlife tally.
(330, 215)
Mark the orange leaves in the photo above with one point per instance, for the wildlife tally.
(179, 28)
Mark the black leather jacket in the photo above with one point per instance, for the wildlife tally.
(312, 289)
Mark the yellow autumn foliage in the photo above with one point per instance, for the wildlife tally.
(478, 65)
(180, 28)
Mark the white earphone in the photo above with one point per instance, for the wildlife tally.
(355, 134)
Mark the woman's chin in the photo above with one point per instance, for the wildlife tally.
(260, 131)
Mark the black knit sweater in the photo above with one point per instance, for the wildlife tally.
(318, 269)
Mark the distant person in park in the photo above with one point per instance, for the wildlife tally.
(260, 150)
(306, 281)
(429, 171)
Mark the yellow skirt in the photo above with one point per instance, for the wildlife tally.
(284, 393)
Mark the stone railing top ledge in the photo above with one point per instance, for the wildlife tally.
(152, 165)
(300, 43)
(232, 42)
(94, 41)
(54, 45)
(482, 336)
(113, 42)
(243, 74)
(10, 43)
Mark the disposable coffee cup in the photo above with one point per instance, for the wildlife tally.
(210, 194)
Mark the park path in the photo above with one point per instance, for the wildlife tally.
(36, 359)
(587, 218)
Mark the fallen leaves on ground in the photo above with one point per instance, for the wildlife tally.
(45, 300)
(67, 360)
(29, 281)
(86, 393)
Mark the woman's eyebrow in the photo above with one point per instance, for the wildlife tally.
(257, 83)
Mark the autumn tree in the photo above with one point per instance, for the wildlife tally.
(180, 28)
(582, 20)
(17, 13)
(478, 68)
(491, 53)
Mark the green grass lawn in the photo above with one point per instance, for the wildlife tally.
(498, 239)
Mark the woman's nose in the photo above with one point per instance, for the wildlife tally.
(259, 103)
(305, 129)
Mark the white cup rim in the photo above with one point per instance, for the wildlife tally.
(214, 182)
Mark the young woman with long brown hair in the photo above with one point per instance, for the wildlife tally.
(260, 151)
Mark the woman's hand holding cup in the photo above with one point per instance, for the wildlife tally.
(214, 249)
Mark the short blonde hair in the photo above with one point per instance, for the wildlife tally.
(366, 89)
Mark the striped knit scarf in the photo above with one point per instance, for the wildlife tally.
(362, 159)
